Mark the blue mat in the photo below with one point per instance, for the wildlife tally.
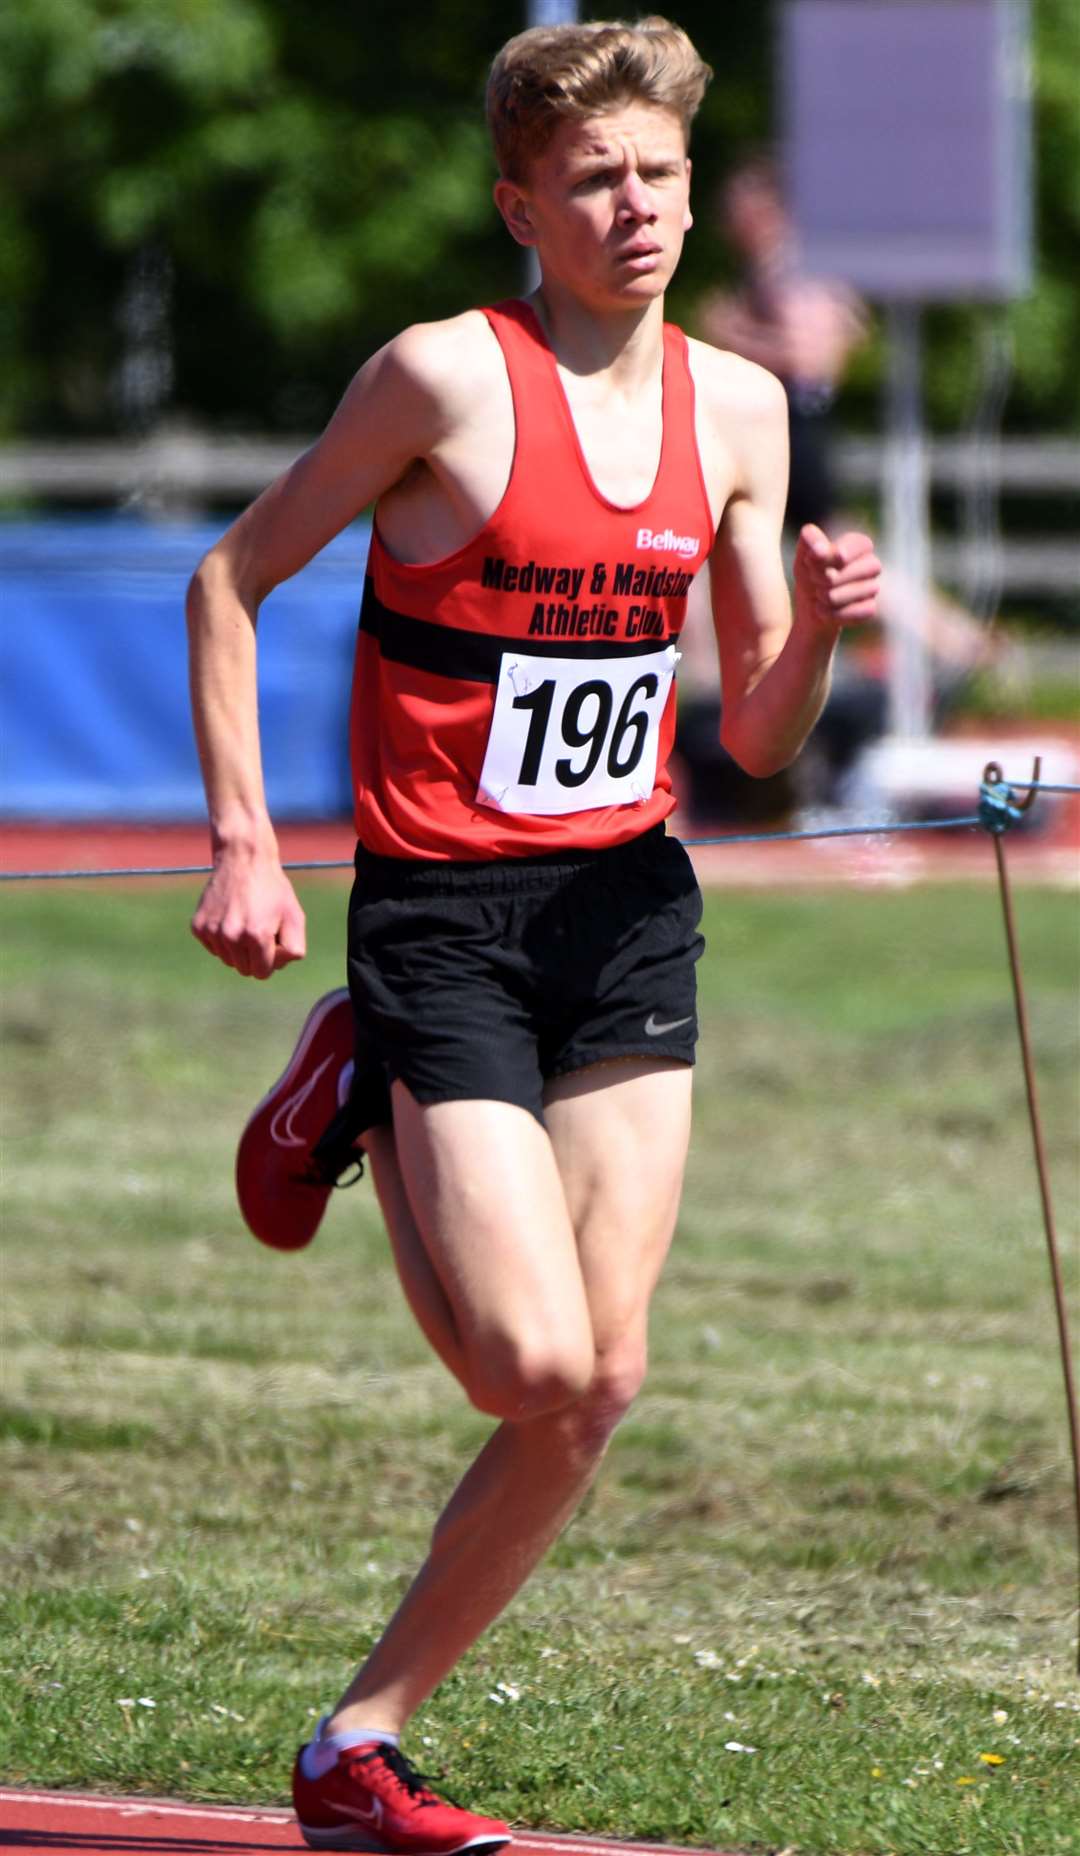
(94, 720)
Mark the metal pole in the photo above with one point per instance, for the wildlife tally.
(1043, 1172)
(545, 13)
(907, 536)
(552, 12)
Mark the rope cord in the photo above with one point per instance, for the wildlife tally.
(74, 876)
(1034, 785)
(838, 831)
(742, 837)
(1042, 786)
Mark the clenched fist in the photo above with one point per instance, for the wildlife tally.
(836, 582)
(249, 917)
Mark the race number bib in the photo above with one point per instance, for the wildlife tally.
(569, 733)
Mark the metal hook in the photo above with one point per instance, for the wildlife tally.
(993, 776)
(1025, 805)
(999, 808)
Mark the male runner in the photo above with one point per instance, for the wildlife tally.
(522, 934)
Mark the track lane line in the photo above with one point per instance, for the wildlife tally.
(126, 1809)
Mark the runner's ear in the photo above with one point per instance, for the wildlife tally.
(514, 207)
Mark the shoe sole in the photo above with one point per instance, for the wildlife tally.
(313, 1024)
(349, 1837)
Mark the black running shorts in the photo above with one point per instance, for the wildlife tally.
(487, 980)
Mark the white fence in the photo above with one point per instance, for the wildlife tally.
(192, 469)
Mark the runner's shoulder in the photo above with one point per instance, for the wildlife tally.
(451, 364)
(733, 387)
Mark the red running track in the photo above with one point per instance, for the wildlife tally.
(1049, 855)
(75, 1824)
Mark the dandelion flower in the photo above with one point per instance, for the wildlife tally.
(992, 1759)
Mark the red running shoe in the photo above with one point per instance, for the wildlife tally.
(373, 1799)
(282, 1183)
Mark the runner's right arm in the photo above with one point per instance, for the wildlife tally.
(394, 412)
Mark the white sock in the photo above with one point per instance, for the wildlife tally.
(322, 1749)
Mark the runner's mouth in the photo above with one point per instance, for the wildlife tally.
(643, 256)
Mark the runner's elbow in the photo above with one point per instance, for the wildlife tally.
(204, 584)
(216, 583)
(760, 759)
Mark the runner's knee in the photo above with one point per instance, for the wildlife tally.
(615, 1386)
(588, 1423)
(515, 1378)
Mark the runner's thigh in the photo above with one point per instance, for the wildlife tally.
(489, 1204)
(620, 1133)
(423, 1290)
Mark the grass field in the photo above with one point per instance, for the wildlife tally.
(822, 1599)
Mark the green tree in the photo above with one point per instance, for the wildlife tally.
(300, 181)
(268, 191)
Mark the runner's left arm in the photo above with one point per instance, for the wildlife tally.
(776, 655)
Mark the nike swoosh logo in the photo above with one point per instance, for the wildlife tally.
(653, 1030)
(372, 1816)
(282, 1132)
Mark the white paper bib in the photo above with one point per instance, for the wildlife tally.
(571, 733)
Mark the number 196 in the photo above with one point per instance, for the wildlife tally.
(627, 737)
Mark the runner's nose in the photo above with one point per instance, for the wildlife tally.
(636, 201)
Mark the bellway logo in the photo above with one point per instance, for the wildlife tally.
(665, 541)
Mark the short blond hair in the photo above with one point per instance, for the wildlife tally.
(549, 73)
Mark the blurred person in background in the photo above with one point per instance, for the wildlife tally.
(804, 330)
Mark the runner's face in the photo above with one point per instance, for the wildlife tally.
(607, 204)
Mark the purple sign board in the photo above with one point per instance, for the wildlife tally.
(907, 144)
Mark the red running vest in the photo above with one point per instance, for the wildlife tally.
(517, 697)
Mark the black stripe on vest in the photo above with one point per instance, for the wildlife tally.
(449, 651)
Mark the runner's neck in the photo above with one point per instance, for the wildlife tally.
(626, 345)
